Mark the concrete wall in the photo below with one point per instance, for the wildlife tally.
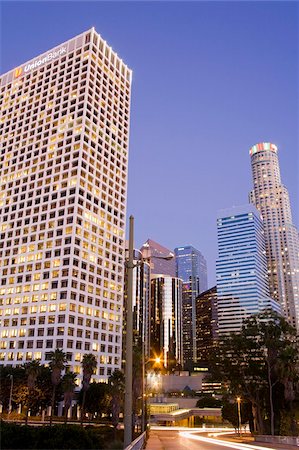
(286, 440)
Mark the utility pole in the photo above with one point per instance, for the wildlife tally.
(129, 342)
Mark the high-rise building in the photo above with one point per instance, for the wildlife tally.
(271, 198)
(140, 303)
(161, 259)
(241, 268)
(166, 319)
(64, 137)
(192, 269)
(165, 305)
(206, 324)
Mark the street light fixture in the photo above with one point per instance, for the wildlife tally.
(129, 338)
(239, 414)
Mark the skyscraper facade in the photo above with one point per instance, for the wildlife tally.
(241, 268)
(165, 305)
(140, 303)
(63, 173)
(166, 319)
(161, 259)
(206, 324)
(191, 267)
(271, 198)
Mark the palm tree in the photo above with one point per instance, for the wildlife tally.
(117, 389)
(68, 387)
(89, 364)
(57, 364)
(32, 370)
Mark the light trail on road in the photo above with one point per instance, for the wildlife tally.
(232, 445)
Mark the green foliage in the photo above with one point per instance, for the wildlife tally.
(117, 390)
(89, 364)
(261, 365)
(208, 402)
(230, 412)
(97, 399)
(56, 437)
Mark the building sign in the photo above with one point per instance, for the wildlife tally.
(41, 61)
(18, 72)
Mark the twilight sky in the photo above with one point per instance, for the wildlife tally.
(210, 79)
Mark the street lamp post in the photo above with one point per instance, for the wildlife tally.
(156, 360)
(129, 342)
(239, 414)
(10, 394)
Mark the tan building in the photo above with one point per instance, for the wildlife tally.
(271, 197)
(64, 126)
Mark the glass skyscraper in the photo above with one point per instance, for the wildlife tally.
(241, 268)
(206, 324)
(166, 319)
(271, 198)
(192, 269)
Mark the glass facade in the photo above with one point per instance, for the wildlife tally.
(140, 303)
(161, 259)
(241, 267)
(206, 324)
(191, 267)
(166, 319)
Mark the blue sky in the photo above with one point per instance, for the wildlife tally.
(210, 79)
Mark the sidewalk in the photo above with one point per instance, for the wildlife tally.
(154, 442)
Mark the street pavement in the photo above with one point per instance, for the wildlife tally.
(188, 440)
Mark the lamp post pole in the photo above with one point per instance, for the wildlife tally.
(129, 342)
(239, 414)
(10, 394)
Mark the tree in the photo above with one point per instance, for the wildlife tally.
(68, 384)
(98, 398)
(89, 364)
(230, 412)
(253, 364)
(32, 370)
(57, 364)
(117, 389)
(208, 402)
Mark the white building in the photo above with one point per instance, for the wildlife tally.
(64, 126)
(271, 198)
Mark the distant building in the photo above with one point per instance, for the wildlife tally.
(241, 268)
(206, 324)
(271, 198)
(166, 319)
(140, 303)
(192, 269)
(161, 259)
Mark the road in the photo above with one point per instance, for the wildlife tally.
(186, 440)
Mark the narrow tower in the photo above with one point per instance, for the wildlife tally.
(271, 198)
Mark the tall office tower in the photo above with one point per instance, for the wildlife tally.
(64, 137)
(165, 305)
(241, 268)
(206, 324)
(271, 198)
(166, 319)
(192, 269)
(140, 303)
(161, 259)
